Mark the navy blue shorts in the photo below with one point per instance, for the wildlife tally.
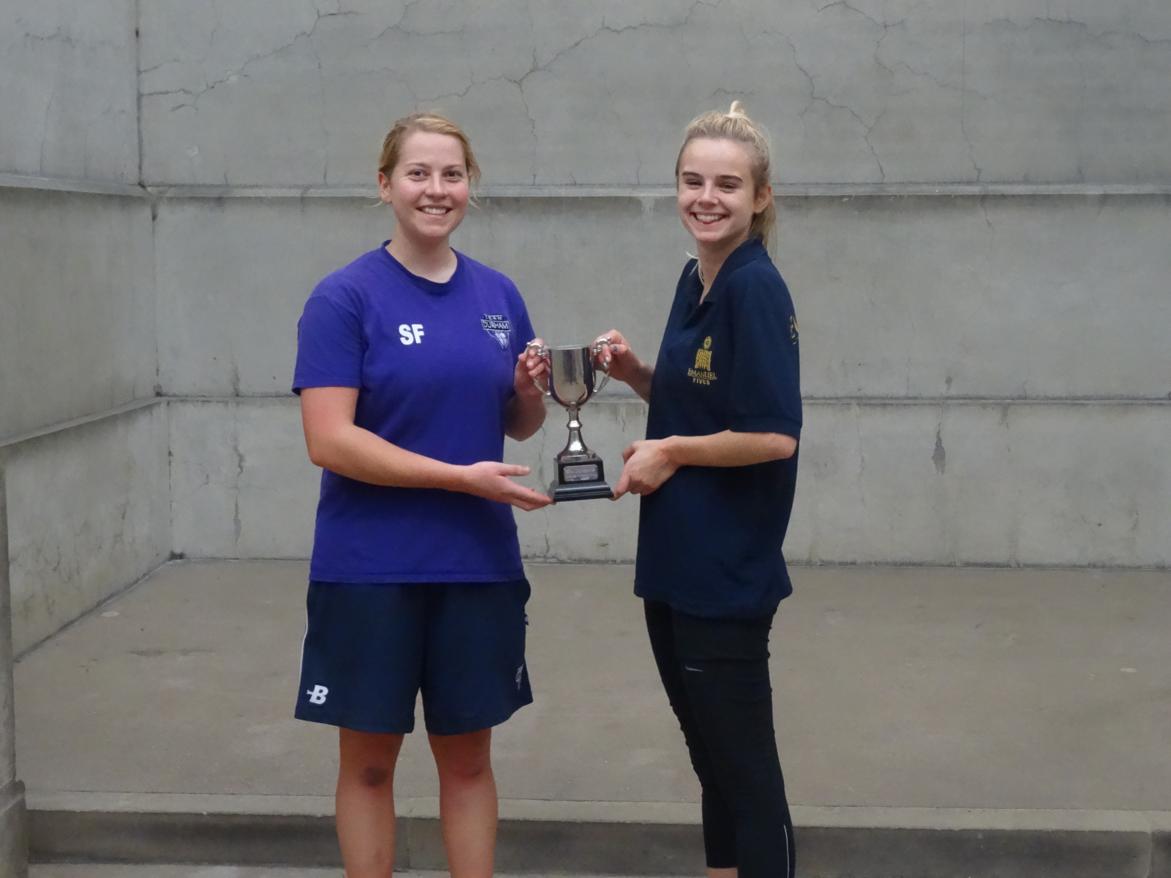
(369, 649)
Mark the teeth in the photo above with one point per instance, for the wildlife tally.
(707, 217)
(435, 211)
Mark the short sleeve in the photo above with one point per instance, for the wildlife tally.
(330, 346)
(523, 331)
(766, 374)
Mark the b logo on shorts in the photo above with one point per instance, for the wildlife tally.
(317, 694)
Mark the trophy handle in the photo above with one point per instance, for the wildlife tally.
(541, 351)
(598, 346)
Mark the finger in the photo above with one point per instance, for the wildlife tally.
(512, 469)
(623, 486)
(531, 500)
(628, 452)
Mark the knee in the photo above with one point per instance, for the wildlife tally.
(463, 760)
(464, 768)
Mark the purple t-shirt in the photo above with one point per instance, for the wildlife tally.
(433, 364)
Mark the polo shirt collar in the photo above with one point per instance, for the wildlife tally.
(749, 251)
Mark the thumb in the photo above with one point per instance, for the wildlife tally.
(623, 485)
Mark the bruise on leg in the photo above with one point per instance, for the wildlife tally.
(375, 776)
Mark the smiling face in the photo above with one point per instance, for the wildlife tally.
(427, 188)
(715, 193)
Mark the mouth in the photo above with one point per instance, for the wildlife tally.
(707, 219)
(435, 210)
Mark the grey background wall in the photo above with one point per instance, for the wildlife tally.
(82, 439)
(76, 339)
(975, 206)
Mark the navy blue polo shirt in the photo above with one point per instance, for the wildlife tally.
(709, 539)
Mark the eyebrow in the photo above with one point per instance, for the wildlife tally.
(421, 164)
(719, 177)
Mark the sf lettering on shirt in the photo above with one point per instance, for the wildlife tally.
(410, 333)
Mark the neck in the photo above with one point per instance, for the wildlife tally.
(711, 260)
(432, 261)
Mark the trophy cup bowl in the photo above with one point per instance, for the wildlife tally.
(571, 381)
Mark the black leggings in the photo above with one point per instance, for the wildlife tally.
(715, 672)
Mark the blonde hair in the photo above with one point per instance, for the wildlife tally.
(735, 125)
(433, 123)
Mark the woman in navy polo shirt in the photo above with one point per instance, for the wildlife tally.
(716, 474)
(411, 370)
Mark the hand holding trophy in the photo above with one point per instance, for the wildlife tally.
(571, 380)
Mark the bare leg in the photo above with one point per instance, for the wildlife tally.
(365, 802)
(467, 802)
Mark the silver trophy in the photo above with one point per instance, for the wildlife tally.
(571, 381)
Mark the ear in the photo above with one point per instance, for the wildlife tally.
(763, 196)
(383, 188)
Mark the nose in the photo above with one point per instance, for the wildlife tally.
(435, 184)
(708, 194)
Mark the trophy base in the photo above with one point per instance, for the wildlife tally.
(579, 477)
(592, 491)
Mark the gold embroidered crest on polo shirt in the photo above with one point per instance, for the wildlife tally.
(702, 372)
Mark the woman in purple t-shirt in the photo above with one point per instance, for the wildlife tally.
(411, 368)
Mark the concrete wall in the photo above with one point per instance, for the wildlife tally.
(13, 820)
(69, 90)
(912, 297)
(938, 280)
(77, 343)
(241, 484)
(908, 306)
(88, 514)
(78, 331)
(881, 482)
(583, 93)
(76, 335)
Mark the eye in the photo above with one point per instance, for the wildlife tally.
(416, 173)
(455, 174)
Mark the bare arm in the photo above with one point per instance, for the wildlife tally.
(526, 410)
(729, 449)
(624, 365)
(336, 443)
(650, 462)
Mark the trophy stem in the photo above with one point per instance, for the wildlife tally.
(575, 445)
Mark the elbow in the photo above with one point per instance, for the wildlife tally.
(784, 446)
(520, 434)
(318, 453)
(521, 425)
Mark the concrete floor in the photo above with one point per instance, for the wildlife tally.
(895, 688)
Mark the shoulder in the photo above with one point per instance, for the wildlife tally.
(487, 276)
(351, 285)
(758, 281)
(485, 273)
